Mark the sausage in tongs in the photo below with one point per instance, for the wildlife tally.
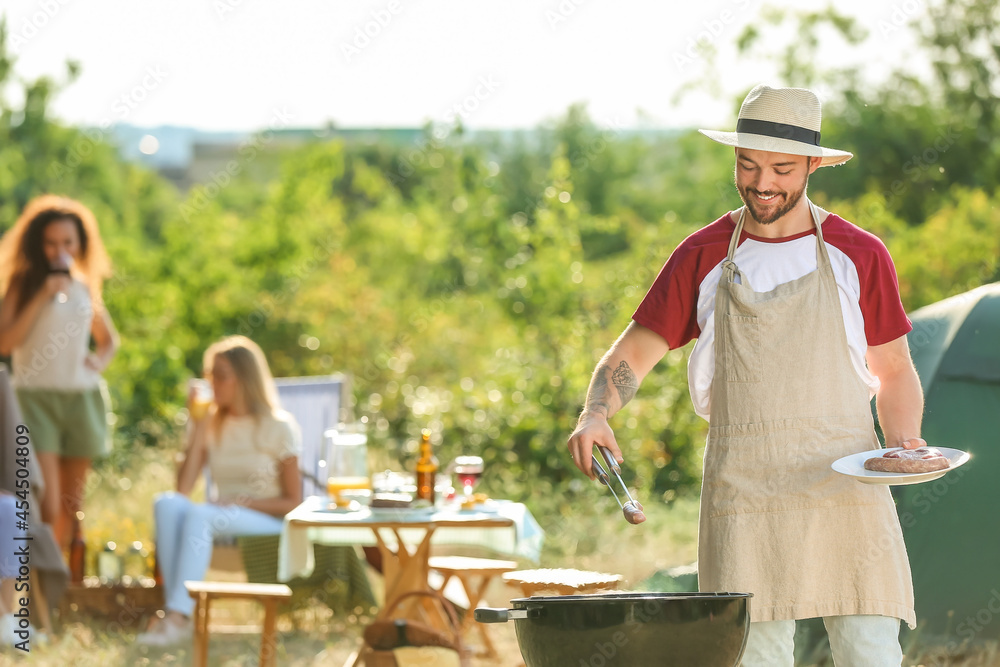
(631, 508)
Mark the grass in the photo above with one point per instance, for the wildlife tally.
(119, 508)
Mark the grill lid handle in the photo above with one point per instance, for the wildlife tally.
(490, 615)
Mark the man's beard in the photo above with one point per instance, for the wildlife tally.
(779, 206)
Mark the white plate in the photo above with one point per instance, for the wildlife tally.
(854, 466)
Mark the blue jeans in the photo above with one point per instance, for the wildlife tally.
(184, 534)
(9, 563)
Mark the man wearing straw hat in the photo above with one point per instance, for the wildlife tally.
(798, 323)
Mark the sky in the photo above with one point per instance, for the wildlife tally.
(247, 64)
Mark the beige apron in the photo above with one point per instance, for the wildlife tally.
(775, 520)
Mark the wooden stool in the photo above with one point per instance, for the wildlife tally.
(205, 591)
(466, 570)
(562, 581)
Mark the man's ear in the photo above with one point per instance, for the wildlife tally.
(814, 163)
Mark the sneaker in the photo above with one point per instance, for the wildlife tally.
(8, 628)
(167, 633)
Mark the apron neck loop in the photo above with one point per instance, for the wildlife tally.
(822, 256)
(813, 210)
(729, 269)
(735, 240)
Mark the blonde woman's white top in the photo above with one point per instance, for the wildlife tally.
(51, 355)
(243, 460)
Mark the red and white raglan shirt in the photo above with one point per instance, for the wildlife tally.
(680, 305)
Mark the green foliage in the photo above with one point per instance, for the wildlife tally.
(471, 286)
(448, 309)
(913, 137)
(955, 250)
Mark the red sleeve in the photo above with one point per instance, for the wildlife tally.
(881, 307)
(885, 317)
(670, 307)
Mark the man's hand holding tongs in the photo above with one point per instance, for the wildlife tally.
(595, 431)
(614, 383)
(592, 429)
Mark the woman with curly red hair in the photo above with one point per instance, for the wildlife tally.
(52, 269)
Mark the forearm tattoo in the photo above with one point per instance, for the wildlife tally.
(623, 379)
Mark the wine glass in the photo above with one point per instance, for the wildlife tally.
(61, 264)
(468, 469)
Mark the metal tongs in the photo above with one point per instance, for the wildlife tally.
(630, 508)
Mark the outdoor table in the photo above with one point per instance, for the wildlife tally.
(404, 537)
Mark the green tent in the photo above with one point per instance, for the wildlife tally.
(952, 525)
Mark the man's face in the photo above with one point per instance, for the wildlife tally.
(771, 184)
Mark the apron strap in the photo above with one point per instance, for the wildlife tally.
(735, 239)
(822, 255)
(729, 268)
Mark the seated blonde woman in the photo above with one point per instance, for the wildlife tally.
(251, 448)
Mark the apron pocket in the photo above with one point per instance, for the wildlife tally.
(745, 364)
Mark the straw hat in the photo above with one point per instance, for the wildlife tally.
(781, 120)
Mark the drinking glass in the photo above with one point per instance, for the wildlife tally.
(347, 464)
(61, 264)
(202, 399)
(468, 469)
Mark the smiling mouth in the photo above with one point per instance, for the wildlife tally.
(764, 198)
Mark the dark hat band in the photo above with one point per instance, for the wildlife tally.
(778, 130)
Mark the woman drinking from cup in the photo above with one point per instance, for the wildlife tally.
(53, 266)
(251, 448)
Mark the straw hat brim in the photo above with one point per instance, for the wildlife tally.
(831, 157)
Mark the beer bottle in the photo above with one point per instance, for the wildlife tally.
(157, 574)
(77, 552)
(427, 466)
